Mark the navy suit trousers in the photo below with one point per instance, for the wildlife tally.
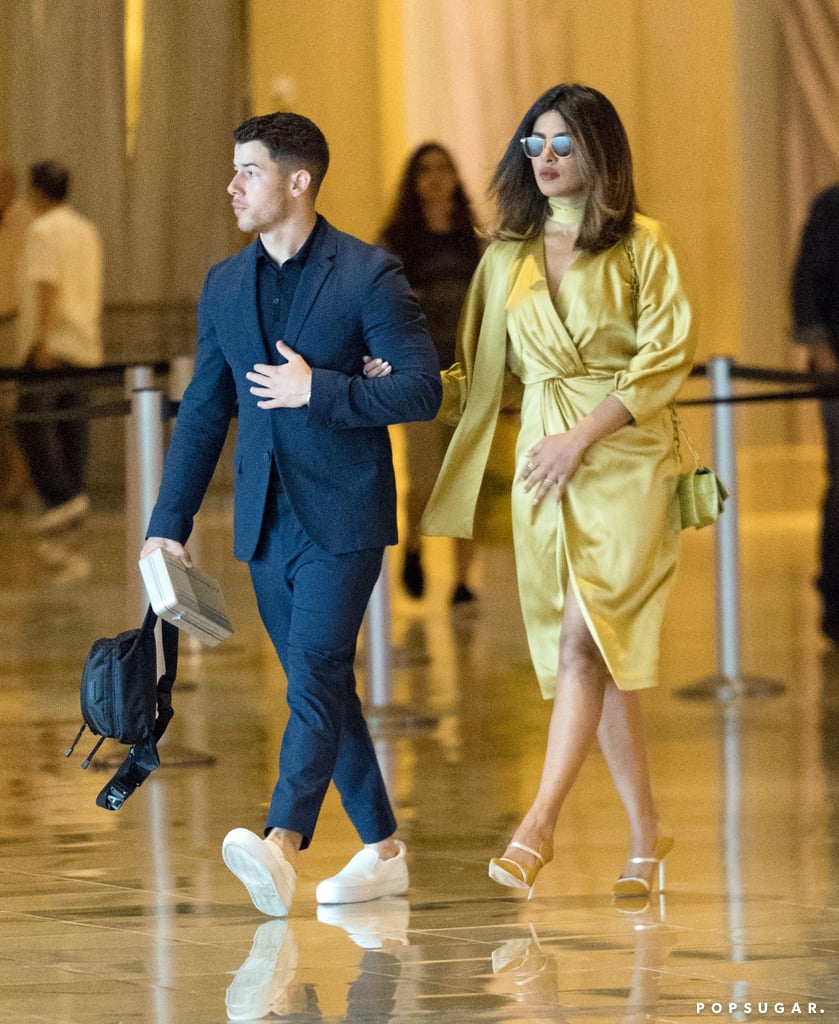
(312, 604)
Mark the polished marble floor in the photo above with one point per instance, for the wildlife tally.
(131, 917)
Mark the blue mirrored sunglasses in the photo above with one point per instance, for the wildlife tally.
(534, 145)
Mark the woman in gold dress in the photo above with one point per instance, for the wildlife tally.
(579, 303)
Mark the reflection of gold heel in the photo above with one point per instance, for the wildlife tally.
(515, 954)
(529, 972)
(637, 885)
(509, 872)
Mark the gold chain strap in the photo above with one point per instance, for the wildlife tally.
(679, 428)
(634, 295)
(634, 282)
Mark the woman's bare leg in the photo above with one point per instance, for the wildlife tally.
(621, 738)
(582, 679)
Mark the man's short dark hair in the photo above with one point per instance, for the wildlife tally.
(289, 139)
(50, 178)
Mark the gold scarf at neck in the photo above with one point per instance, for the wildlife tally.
(566, 212)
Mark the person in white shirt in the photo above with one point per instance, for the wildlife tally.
(59, 326)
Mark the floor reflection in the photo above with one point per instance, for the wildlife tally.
(131, 917)
(265, 983)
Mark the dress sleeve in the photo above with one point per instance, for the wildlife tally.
(479, 380)
(665, 340)
(457, 378)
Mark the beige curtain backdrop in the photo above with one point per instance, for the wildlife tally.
(61, 97)
(730, 107)
(163, 212)
(472, 70)
(192, 95)
(810, 101)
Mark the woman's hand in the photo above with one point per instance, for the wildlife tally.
(552, 461)
(376, 367)
(550, 464)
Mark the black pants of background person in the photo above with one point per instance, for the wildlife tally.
(828, 582)
(55, 449)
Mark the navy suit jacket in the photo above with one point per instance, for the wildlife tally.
(333, 456)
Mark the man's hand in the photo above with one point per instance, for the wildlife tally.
(282, 387)
(172, 546)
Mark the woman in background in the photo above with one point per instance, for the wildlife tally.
(432, 231)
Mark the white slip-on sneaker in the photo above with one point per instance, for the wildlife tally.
(260, 866)
(366, 877)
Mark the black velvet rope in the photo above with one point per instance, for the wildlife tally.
(810, 386)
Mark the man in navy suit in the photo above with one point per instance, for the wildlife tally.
(285, 328)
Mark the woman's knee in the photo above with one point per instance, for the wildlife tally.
(579, 655)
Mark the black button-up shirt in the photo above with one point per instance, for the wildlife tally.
(275, 287)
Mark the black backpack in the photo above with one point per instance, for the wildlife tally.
(123, 699)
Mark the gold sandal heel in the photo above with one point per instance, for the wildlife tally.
(637, 885)
(520, 877)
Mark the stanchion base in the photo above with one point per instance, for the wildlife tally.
(728, 688)
(397, 718)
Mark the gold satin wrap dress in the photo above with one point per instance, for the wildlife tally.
(615, 535)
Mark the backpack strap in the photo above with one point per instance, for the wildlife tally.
(143, 758)
(135, 769)
(169, 636)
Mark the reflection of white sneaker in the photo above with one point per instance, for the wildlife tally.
(371, 925)
(366, 877)
(265, 975)
(260, 866)
(61, 516)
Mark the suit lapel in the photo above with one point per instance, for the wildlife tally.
(318, 267)
(246, 311)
